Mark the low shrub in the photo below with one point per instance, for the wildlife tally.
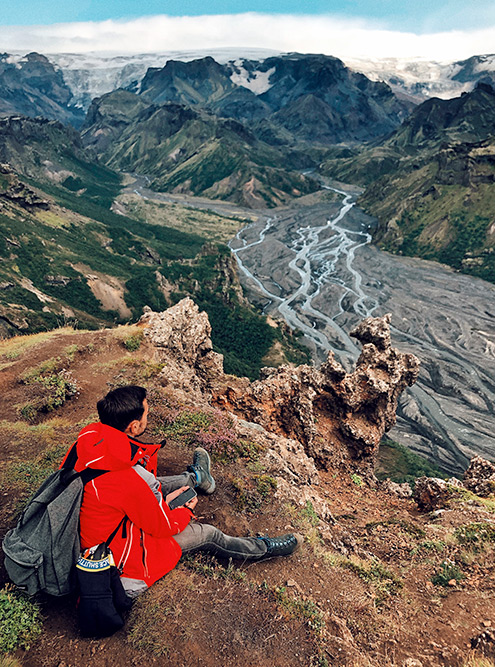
(448, 573)
(133, 342)
(20, 620)
(253, 492)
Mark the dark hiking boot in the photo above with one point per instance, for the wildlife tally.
(201, 468)
(281, 546)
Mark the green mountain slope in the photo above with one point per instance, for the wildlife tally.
(430, 184)
(189, 151)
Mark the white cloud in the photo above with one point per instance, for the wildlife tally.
(303, 33)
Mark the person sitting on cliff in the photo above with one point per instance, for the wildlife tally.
(153, 536)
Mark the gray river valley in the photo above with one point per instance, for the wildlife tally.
(313, 264)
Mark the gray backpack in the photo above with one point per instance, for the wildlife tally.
(41, 551)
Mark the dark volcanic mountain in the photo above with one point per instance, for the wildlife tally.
(313, 98)
(470, 117)
(31, 86)
(187, 150)
(204, 83)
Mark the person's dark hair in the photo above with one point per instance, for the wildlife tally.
(121, 406)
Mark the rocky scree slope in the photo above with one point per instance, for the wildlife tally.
(377, 583)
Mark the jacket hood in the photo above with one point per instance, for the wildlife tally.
(103, 447)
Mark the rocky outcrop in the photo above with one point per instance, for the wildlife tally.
(286, 461)
(12, 189)
(326, 416)
(181, 335)
(431, 493)
(399, 490)
(331, 412)
(480, 477)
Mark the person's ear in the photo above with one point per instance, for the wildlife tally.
(133, 428)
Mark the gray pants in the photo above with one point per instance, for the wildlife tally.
(197, 536)
(203, 537)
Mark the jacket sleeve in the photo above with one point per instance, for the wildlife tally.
(153, 517)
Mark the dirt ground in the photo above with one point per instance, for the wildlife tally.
(358, 593)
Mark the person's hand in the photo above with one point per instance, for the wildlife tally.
(191, 504)
(175, 493)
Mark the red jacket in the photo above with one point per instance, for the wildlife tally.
(144, 548)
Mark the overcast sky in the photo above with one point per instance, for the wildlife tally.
(435, 29)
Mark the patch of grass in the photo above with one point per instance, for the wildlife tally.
(302, 610)
(27, 476)
(406, 526)
(448, 572)
(306, 520)
(253, 492)
(475, 659)
(132, 371)
(13, 348)
(460, 495)
(476, 535)
(35, 373)
(307, 512)
(385, 583)
(70, 351)
(20, 620)
(209, 567)
(42, 435)
(133, 342)
(9, 661)
(429, 545)
(146, 632)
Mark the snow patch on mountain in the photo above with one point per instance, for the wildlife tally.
(257, 82)
(419, 78)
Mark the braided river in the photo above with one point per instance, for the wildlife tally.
(314, 265)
